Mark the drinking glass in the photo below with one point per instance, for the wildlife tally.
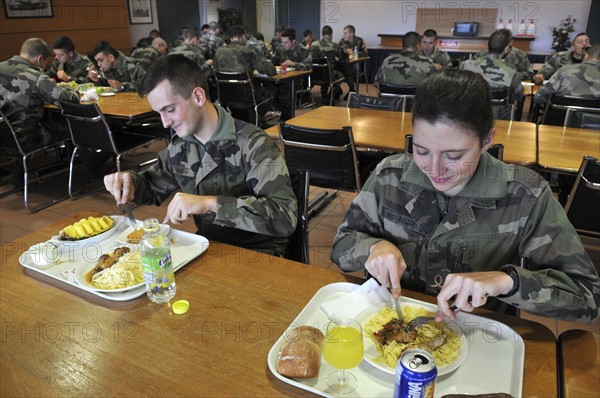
(343, 349)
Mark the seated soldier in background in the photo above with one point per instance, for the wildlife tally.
(212, 40)
(144, 52)
(576, 80)
(68, 64)
(276, 40)
(429, 48)
(407, 66)
(115, 69)
(191, 49)
(257, 44)
(348, 44)
(326, 48)
(562, 58)
(516, 59)
(499, 75)
(308, 38)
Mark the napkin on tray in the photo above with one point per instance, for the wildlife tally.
(367, 295)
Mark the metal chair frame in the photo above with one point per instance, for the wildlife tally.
(322, 74)
(582, 186)
(570, 105)
(298, 246)
(404, 91)
(387, 103)
(241, 81)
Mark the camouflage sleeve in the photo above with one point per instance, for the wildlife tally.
(516, 87)
(79, 71)
(525, 69)
(543, 94)
(51, 72)
(51, 92)
(273, 208)
(359, 229)
(135, 73)
(550, 66)
(155, 184)
(561, 281)
(262, 65)
(445, 60)
(306, 63)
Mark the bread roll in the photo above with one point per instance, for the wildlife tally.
(300, 355)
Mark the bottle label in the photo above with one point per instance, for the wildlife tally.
(158, 271)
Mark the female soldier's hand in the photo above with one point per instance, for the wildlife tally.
(387, 265)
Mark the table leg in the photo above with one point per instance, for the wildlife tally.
(357, 77)
(293, 98)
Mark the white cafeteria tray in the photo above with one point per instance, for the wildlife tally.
(185, 247)
(494, 361)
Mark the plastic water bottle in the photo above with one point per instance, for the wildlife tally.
(509, 26)
(355, 52)
(522, 29)
(531, 29)
(500, 25)
(157, 264)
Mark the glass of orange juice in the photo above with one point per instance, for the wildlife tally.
(343, 349)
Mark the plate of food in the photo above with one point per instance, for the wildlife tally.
(134, 236)
(117, 271)
(386, 338)
(87, 230)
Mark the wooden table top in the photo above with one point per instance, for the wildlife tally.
(385, 130)
(580, 357)
(58, 339)
(283, 76)
(563, 149)
(124, 105)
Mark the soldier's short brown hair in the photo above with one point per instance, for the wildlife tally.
(183, 74)
(34, 47)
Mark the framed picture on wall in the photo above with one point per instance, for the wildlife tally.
(140, 11)
(28, 8)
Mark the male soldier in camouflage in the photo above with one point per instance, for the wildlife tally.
(233, 178)
(326, 48)
(498, 74)
(144, 52)
(451, 216)
(407, 66)
(348, 43)
(276, 40)
(562, 58)
(68, 65)
(116, 70)
(211, 41)
(257, 44)
(292, 55)
(25, 88)
(516, 59)
(429, 48)
(190, 48)
(576, 80)
(236, 57)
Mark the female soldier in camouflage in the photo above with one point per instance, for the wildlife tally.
(451, 215)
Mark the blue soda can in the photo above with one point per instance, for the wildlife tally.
(415, 374)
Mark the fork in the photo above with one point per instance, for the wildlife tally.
(421, 320)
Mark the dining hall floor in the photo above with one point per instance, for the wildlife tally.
(16, 222)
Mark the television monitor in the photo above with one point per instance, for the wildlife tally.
(466, 28)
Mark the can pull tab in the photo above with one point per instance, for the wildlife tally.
(417, 361)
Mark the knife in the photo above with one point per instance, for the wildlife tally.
(398, 308)
(130, 216)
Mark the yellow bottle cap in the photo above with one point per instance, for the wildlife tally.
(181, 307)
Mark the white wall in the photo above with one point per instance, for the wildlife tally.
(391, 16)
(137, 32)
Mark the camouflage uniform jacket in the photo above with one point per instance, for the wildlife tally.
(406, 67)
(238, 58)
(146, 55)
(258, 47)
(194, 53)
(242, 166)
(24, 90)
(128, 71)
(76, 69)
(326, 48)
(505, 212)
(439, 57)
(297, 53)
(516, 59)
(356, 42)
(577, 80)
(557, 61)
(210, 43)
(497, 73)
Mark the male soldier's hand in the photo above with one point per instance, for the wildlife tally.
(115, 84)
(121, 186)
(387, 265)
(538, 78)
(62, 75)
(184, 205)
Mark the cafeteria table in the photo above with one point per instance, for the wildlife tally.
(562, 149)
(60, 340)
(124, 105)
(579, 363)
(284, 78)
(385, 130)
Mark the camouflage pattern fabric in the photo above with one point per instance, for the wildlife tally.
(128, 71)
(406, 67)
(356, 42)
(146, 55)
(577, 80)
(297, 53)
(243, 167)
(505, 212)
(326, 48)
(258, 47)
(76, 69)
(497, 73)
(516, 59)
(439, 57)
(25, 89)
(194, 53)
(238, 58)
(211, 43)
(556, 62)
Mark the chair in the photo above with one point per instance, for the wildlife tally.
(237, 92)
(90, 129)
(502, 102)
(328, 155)
(569, 111)
(356, 100)
(404, 91)
(582, 205)
(322, 75)
(11, 147)
(408, 147)
(298, 247)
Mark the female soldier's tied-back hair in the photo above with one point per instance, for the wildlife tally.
(456, 96)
